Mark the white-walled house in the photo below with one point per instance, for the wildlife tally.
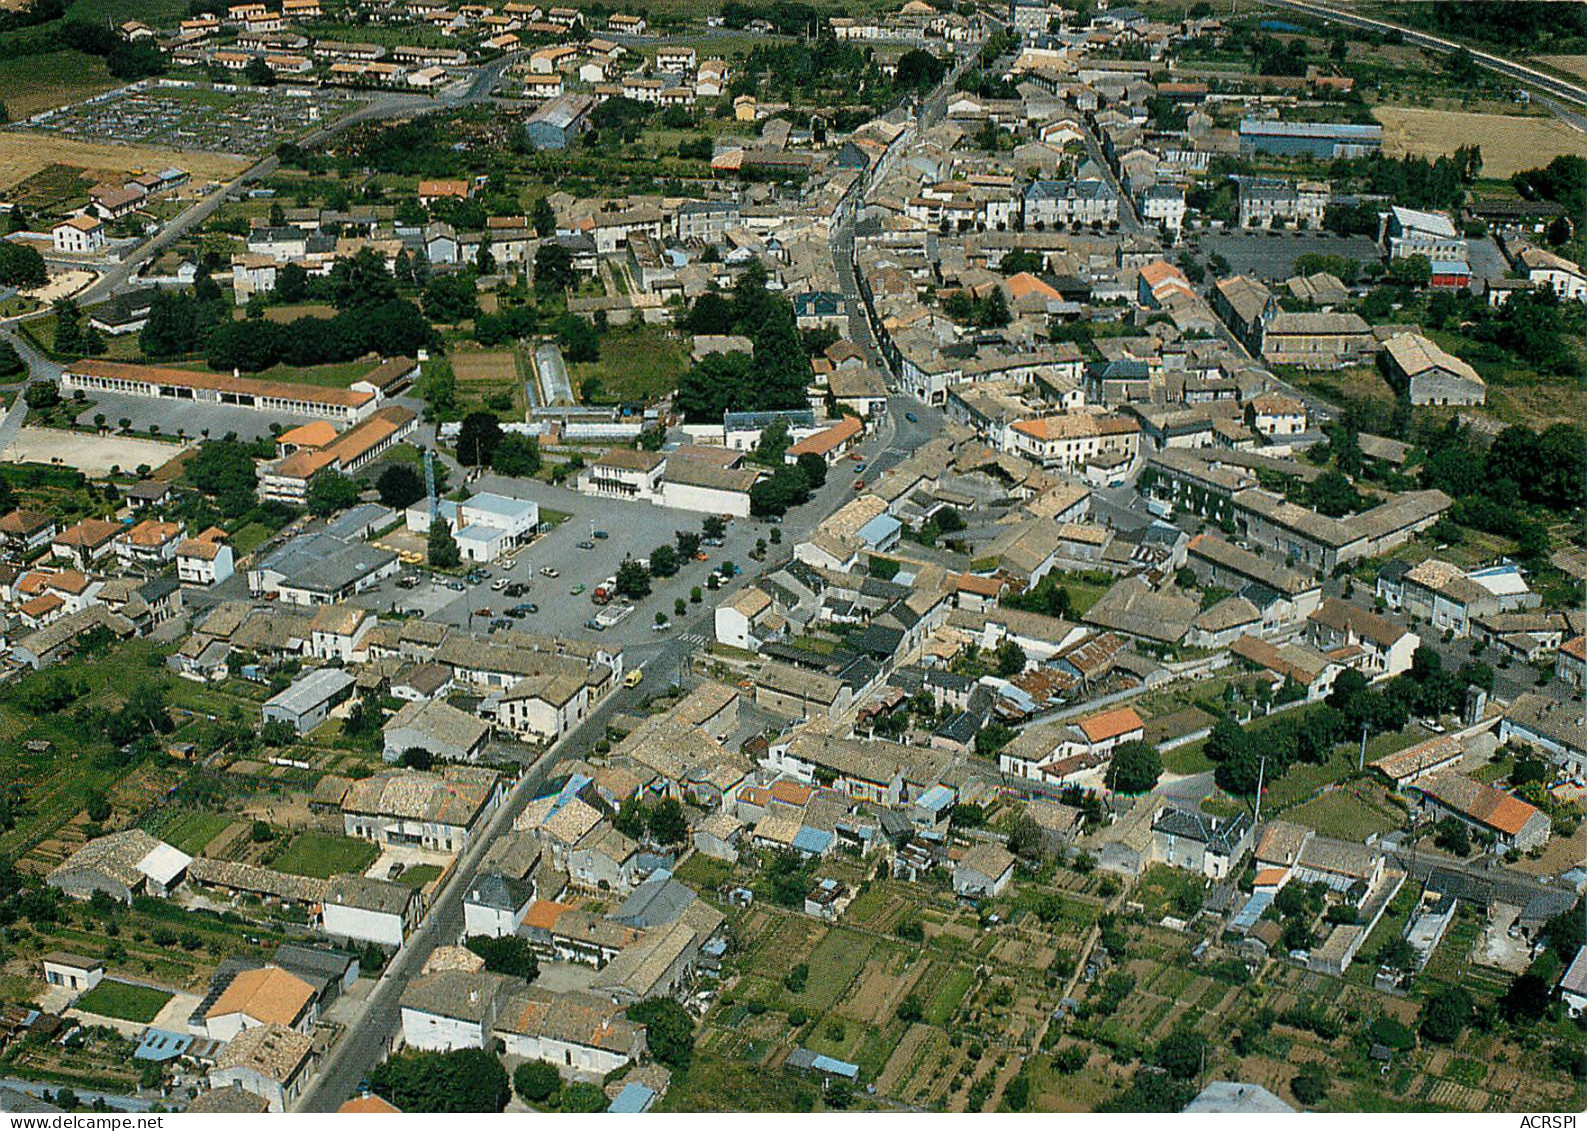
(496, 905)
(582, 1034)
(451, 1009)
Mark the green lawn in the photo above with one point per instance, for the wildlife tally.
(323, 855)
(1344, 815)
(125, 1001)
(638, 363)
(419, 875)
(191, 830)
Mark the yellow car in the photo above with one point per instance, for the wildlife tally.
(633, 678)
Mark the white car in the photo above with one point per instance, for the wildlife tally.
(499, 584)
(550, 571)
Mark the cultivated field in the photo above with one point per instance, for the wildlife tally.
(495, 365)
(24, 154)
(1508, 144)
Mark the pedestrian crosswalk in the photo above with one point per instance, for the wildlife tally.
(693, 638)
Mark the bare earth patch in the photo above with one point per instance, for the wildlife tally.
(1508, 144)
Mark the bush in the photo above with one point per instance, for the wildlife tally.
(536, 1082)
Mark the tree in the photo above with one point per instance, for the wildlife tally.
(21, 266)
(440, 547)
(1526, 999)
(258, 73)
(543, 217)
(688, 543)
(11, 362)
(1332, 494)
(477, 440)
(784, 488)
(400, 486)
(68, 326)
(669, 1031)
(1446, 1013)
(292, 283)
(1026, 839)
(450, 298)
(516, 455)
(42, 396)
(1310, 1085)
(1135, 768)
(464, 1080)
(331, 491)
(224, 470)
(553, 269)
(1452, 836)
(633, 580)
(1011, 659)
(536, 1081)
(663, 561)
(97, 806)
(815, 469)
(667, 823)
(509, 954)
(1181, 1053)
(713, 526)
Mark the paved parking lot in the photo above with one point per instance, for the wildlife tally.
(632, 529)
(248, 423)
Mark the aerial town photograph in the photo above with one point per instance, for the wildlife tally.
(898, 556)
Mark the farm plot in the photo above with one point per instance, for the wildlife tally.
(483, 365)
(1509, 144)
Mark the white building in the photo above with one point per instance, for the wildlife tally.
(204, 560)
(358, 909)
(496, 905)
(81, 235)
(486, 526)
(451, 1009)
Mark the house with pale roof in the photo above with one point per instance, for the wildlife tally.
(270, 1061)
(265, 996)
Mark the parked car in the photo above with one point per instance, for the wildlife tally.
(457, 585)
(575, 591)
(500, 623)
(859, 484)
(601, 535)
(912, 418)
(499, 584)
(634, 678)
(483, 612)
(586, 545)
(550, 571)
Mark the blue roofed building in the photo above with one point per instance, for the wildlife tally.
(1324, 140)
(633, 1100)
(881, 533)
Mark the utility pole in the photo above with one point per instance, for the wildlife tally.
(1361, 761)
(1261, 773)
